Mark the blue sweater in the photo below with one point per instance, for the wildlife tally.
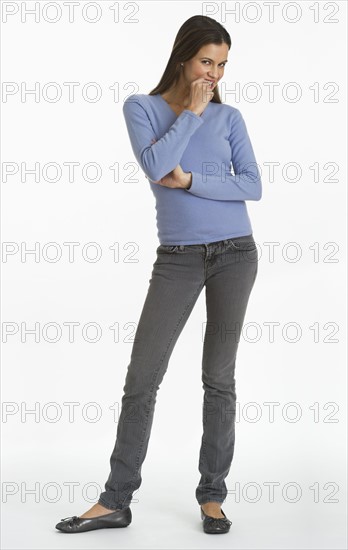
(213, 208)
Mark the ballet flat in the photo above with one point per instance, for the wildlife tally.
(75, 524)
(215, 526)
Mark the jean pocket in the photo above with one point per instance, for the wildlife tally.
(167, 248)
(245, 243)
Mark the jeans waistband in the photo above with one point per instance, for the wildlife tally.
(235, 242)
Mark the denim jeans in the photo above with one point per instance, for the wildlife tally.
(228, 270)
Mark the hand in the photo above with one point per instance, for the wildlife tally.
(176, 179)
(201, 93)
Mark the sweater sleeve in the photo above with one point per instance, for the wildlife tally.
(160, 158)
(211, 183)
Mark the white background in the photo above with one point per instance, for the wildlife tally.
(301, 289)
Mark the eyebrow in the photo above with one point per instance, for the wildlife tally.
(225, 61)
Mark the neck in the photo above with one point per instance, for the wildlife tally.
(178, 95)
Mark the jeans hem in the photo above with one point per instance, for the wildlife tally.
(103, 503)
(210, 500)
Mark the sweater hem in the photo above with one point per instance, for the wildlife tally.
(214, 239)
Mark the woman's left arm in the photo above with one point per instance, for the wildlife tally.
(245, 184)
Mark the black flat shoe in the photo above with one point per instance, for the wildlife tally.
(215, 525)
(75, 524)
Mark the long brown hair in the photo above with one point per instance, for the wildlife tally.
(197, 31)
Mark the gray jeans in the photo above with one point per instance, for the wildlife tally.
(228, 271)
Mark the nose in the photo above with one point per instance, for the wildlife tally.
(213, 75)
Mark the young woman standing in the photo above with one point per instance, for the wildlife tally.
(185, 140)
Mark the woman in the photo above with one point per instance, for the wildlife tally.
(185, 139)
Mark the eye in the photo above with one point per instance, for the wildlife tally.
(207, 61)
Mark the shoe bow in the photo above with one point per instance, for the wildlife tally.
(216, 522)
(71, 518)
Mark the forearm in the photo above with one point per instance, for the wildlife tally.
(160, 158)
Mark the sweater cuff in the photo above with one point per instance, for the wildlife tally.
(193, 179)
(193, 114)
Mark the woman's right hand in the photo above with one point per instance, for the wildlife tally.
(200, 95)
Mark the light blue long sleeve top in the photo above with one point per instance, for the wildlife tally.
(208, 146)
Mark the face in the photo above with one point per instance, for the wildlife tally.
(209, 62)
